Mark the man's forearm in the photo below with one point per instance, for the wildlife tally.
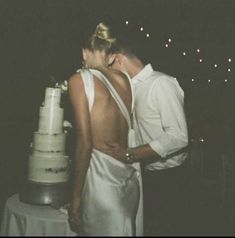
(144, 152)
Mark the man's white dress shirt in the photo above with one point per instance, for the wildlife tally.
(159, 108)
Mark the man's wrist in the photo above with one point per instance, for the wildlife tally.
(129, 156)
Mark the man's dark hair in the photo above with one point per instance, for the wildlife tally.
(130, 41)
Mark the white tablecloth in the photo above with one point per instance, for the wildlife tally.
(21, 219)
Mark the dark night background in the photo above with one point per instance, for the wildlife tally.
(40, 41)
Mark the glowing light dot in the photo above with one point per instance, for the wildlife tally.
(209, 80)
(141, 28)
(229, 60)
(184, 53)
(200, 60)
(193, 80)
(169, 40)
(229, 70)
(225, 80)
(201, 139)
(166, 45)
(147, 35)
(198, 50)
(127, 22)
(215, 65)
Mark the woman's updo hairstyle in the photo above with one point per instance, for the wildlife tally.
(101, 39)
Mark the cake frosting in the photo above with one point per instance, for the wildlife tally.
(48, 162)
(49, 142)
(50, 119)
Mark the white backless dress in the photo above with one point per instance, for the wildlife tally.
(112, 197)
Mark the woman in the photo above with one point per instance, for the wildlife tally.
(106, 191)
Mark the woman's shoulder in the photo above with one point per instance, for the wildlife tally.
(74, 76)
(75, 79)
(112, 74)
(79, 74)
(117, 73)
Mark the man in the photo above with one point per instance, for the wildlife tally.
(161, 123)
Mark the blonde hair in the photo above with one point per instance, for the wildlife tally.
(101, 39)
(102, 32)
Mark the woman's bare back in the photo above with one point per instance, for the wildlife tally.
(107, 122)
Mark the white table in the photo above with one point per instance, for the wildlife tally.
(21, 219)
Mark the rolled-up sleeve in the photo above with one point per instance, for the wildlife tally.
(168, 96)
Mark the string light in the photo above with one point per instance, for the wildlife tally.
(169, 40)
(201, 139)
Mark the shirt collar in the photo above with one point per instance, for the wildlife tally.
(143, 74)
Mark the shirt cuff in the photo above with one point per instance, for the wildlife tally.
(156, 146)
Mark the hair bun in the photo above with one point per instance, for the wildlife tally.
(102, 32)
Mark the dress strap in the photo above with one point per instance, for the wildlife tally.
(88, 82)
(132, 92)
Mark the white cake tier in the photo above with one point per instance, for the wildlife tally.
(49, 170)
(52, 97)
(46, 154)
(51, 120)
(49, 143)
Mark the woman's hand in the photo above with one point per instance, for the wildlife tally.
(74, 215)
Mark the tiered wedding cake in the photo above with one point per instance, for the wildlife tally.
(48, 166)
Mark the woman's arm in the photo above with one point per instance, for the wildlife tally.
(83, 142)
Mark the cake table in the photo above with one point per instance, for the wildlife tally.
(21, 219)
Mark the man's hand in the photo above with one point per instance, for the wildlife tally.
(114, 150)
